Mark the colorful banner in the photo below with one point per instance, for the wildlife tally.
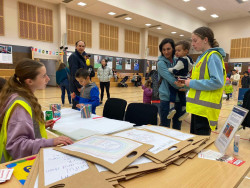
(97, 61)
(136, 64)
(118, 63)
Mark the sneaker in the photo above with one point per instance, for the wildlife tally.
(181, 118)
(171, 114)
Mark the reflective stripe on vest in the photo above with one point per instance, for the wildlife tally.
(3, 134)
(205, 103)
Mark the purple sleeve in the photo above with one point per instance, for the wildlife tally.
(143, 87)
(148, 92)
(21, 141)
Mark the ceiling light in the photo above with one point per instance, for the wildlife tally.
(214, 15)
(186, 0)
(181, 35)
(244, 0)
(201, 8)
(112, 13)
(158, 28)
(173, 32)
(128, 18)
(148, 24)
(81, 4)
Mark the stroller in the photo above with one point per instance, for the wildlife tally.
(123, 82)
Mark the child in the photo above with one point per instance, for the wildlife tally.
(182, 68)
(21, 118)
(89, 93)
(62, 79)
(147, 94)
(228, 88)
(245, 81)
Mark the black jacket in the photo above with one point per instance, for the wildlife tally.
(76, 61)
(246, 105)
(245, 82)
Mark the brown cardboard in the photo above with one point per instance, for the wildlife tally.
(179, 161)
(116, 167)
(31, 179)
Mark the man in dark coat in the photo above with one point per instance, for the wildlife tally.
(76, 61)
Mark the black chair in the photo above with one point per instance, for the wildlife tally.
(141, 114)
(114, 108)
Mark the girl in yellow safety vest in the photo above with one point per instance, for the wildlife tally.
(204, 100)
(22, 122)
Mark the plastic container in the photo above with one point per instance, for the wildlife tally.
(236, 144)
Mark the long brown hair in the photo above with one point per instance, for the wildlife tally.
(203, 32)
(61, 66)
(25, 69)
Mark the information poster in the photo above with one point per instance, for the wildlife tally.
(242, 92)
(110, 61)
(238, 66)
(128, 64)
(230, 127)
(118, 63)
(97, 61)
(6, 54)
(136, 65)
(154, 65)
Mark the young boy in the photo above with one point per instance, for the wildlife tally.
(182, 68)
(228, 88)
(89, 93)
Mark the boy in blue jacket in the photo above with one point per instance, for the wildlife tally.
(89, 93)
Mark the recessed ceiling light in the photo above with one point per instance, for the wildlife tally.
(181, 35)
(173, 32)
(186, 0)
(201, 8)
(148, 24)
(214, 15)
(158, 28)
(244, 0)
(81, 4)
(128, 18)
(112, 13)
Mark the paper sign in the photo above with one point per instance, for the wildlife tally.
(230, 127)
(5, 174)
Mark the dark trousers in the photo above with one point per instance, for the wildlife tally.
(164, 109)
(181, 94)
(107, 85)
(228, 94)
(64, 85)
(199, 125)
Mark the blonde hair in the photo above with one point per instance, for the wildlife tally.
(25, 69)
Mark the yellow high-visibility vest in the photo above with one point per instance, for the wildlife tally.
(205, 103)
(5, 157)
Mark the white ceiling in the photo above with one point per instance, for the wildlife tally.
(226, 9)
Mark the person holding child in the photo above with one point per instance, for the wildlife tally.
(89, 93)
(182, 68)
(147, 93)
(21, 118)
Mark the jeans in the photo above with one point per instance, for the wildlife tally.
(181, 94)
(164, 109)
(107, 85)
(65, 85)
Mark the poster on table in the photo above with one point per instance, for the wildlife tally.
(110, 61)
(97, 61)
(154, 65)
(238, 66)
(136, 64)
(128, 64)
(6, 54)
(230, 127)
(118, 63)
(242, 92)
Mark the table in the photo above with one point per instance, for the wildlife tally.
(194, 173)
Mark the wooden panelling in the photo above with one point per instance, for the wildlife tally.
(79, 29)
(153, 45)
(240, 48)
(108, 37)
(132, 42)
(1, 19)
(35, 23)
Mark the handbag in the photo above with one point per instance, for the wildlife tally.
(234, 83)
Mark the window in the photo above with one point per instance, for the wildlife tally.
(108, 37)
(35, 23)
(240, 48)
(79, 29)
(1, 18)
(153, 45)
(132, 42)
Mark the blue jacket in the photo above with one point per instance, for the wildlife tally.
(216, 72)
(89, 95)
(61, 75)
(168, 78)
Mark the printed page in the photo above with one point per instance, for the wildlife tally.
(108, 148)
(58, 166)
(160, 142)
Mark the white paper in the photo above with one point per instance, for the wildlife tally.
(169, 132)
(108, 148)
(58, 166)
(5, 174)
(160, 142)
(230, 127)
(36, 182)
(209, 154)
